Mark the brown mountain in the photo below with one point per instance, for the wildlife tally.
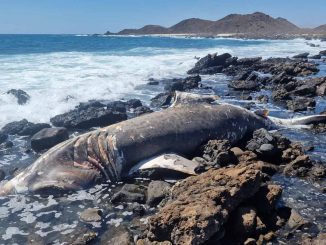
(320, 29)
(256, 23)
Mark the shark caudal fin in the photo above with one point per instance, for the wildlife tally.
(299, 121)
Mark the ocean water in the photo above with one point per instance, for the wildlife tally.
(60, 71)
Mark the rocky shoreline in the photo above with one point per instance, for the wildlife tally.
(234, 191)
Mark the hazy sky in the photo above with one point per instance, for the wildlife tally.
(97, 16)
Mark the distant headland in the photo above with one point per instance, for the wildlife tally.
(255, 25)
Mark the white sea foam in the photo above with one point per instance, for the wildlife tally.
(57, 82)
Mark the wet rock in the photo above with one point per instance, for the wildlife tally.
(315, 57)
(301, 56)
(129, 193)
(141, 110)
(91, 215)
(148, 242)
(211, 70)
(211, 60)
(322, 53)
(48, 137)
(242, 222)
(244, 85)
(248, 61)
(266, 198)
(301, 104)
(263, 98)
(218, 153)
(21, 95)
(117, 236)
(2, 175)
(91, 115)
(318, 171)
(201, 205)
(133, 103)
(296, 221)
(162, 100)
(280, 94)
(298, 167)
(23, 128)
(157, 191)
(3, 137)
(183, 84)
(138, 209)
(250, 241)
(82, 237)
(319, 240)
(321, 90)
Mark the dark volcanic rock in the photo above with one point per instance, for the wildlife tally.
(248, 61)
(21, 95)
(133, 103)
(301, 56)
(244, 85)
(48, 137)
(322, 53)
(141, 110)
(301, 104)
(183, 84)
(316, 57)
(3, 137)
(218, 153)
(23, 128)
(90, 115)
(129, 193)
(157, 191)
(201, 205)
(2, 175)
(211, 60)
(162, 100)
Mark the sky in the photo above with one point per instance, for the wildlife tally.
(98, 16)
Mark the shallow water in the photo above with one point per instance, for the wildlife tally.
(54, 68)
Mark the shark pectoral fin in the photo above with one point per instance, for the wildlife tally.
(167, 161)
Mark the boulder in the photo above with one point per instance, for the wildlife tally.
(301, 56)
(129, 193)
(315, 57)
(157, 191)
(90, 115)
(21, 95)
(300, 104)
(162, 100)
(211, 60)
(266, 198)
(23, 127)
(48, 137)
(248, 61)
(202, 204)
(218, 153)
(3, 137)
(298, 167)
(141, 110)
(322, 53)
(244, 85)
(91, 215)
(183, 84)
(133, 103)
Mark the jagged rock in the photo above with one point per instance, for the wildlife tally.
(319, 240)
(23, 128)
(296, 221)
(301, 104)
(3, 137)
(117, 236)
(211, 60)
(157, 191)
(263, 98)
(243, 223)
(90, 115)
(183, 84)
(21, 95)
(201, 205)
(129, 193)
(218, 153)
(91, 215)
(148, 242)
(316, 57)
(280, 94)
(301, 56)
(48, 137)
(2, 175)
(141, 110)
(266, 198)
(248, 61)
(318, 171)
(244, 85)
(162, 100)
(298, 167)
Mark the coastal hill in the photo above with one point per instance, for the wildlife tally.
(256, 24)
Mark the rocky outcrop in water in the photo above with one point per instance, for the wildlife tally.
(48, 137)
(21, 95)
